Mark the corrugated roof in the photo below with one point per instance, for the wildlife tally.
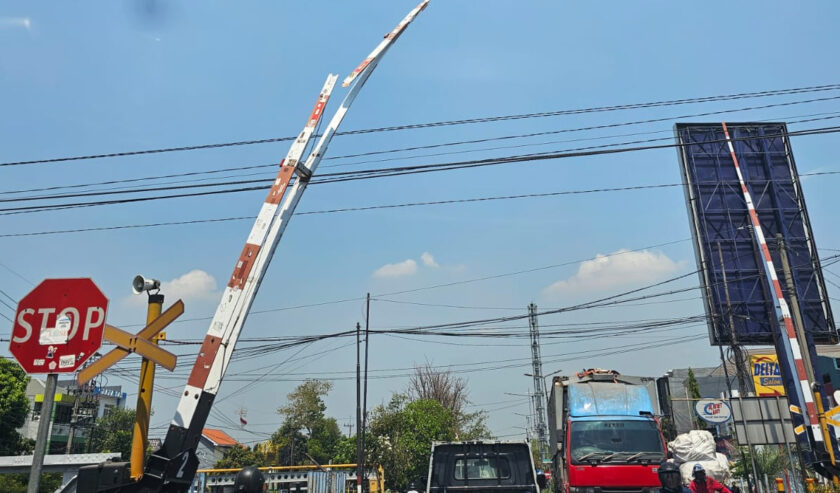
(218, 437)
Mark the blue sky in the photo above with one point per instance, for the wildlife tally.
(107, 77)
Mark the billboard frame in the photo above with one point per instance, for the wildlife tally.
(767, 140)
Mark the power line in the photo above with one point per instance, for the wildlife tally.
(745, 95)
(407, 170)
(267, 180)
(274, 165)
(352, 209)
(373, 207)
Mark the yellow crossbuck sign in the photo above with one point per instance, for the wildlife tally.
(830, 414)
(801, 428)
(140, 343)
(829, 417)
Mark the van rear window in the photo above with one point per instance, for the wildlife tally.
(482, 468)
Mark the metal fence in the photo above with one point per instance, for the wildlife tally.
(341, 479)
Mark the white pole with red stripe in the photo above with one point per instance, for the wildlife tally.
(789, 341)
(385, 43)
(295, 192)
(217, 348)
(249, 267)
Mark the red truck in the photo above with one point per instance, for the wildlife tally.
(604, 435)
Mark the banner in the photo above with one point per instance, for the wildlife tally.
(766, 375)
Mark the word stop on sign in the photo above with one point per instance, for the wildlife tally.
(58, 328)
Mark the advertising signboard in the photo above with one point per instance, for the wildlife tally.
(713, 411)
(767, 377)
(722, 231)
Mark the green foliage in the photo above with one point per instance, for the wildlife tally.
(322, 442)
(285, 446)
(305, 429)
(14, 406)
(451, 392)
(769, 461)
(239, 456)
(345, 450)
(112, 432)
(402, 435)
(693, 387)
(306, 405)
(535, 452)
(17, 483)
(669, 429)
(473, 426)
(694, 393)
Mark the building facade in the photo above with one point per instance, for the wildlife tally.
(75, 410)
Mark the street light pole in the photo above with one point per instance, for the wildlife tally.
(545, 385)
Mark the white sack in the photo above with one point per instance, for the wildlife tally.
(716, 469)
(694, 446)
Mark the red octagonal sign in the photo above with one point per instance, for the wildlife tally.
(58, 325)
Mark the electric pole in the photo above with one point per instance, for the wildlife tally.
(737, 352)
(358, 411)
(539, 385)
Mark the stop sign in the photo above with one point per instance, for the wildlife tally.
(58, 325)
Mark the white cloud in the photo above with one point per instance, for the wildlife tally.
(10, 22)
(428, 260)
(620, 268)
(195, 285)
(404, 268)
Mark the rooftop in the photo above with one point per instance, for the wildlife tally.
(219, 437)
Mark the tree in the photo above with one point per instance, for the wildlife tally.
(14, 406)
(402, 434)
(305, 428)
(112, 432)
(18, 482)
(694, 393)
(669, 429)
(322, 442)
(345, 450)
(240, 456)
(442, 386)
(285, 445)
(306, 405)
(769, 461)
(451, 392)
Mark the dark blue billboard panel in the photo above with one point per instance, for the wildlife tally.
(723, 239)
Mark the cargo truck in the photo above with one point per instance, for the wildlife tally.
(604, 434)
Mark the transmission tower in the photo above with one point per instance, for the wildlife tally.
(539, 383)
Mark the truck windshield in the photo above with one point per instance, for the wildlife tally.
(615, 441)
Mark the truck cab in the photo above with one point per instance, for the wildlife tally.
(604, 435)
(477, 467)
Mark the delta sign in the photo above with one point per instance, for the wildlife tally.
(767, 378)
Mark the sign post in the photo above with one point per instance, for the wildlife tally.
(57, 327)
(43, 433)
(143, 343)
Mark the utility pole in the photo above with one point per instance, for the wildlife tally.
(794, 308)
(539, 389)
(74, 419)
(140, 438)
(737, 353)
(358, 411)
(364, 401)
(799, 326)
